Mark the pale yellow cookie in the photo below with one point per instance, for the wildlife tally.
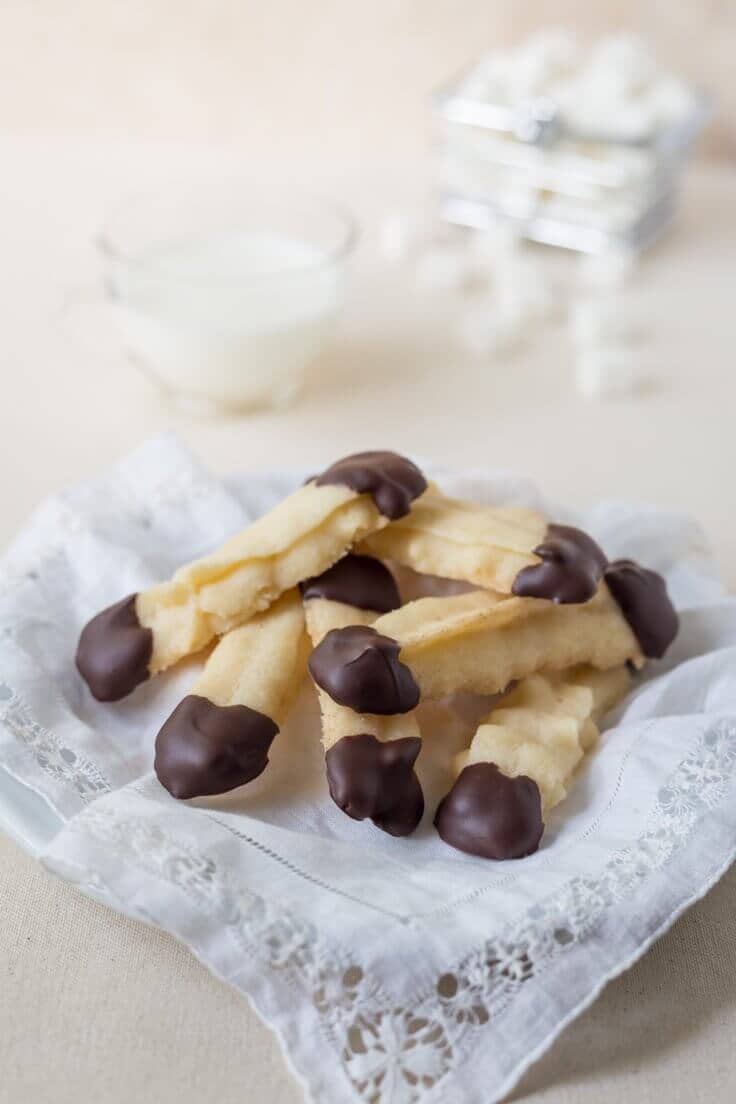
(260, 664)
(219, 735)
(543, 727)
(369, 760)
(302, 536)
(485, 545)
(481, 642)
(322, 616)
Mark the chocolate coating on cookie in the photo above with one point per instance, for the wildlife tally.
(205, 748)
(488, 814)
(392, 480)
(360, 668)
(643, 599)
(375, 779)
(114, 651)
(360, 581)
(571, 568)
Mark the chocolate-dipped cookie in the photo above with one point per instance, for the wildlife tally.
(219, 735)
(369, 759)
(484, 545)
(360, 668)
(490, 815)
(477, 642)
(114, 651)
(643, 599)
(359, 581)
(571, 567)
(299, 539)
(392, 481)
(204, 749)
(375, 779)
(522, 759)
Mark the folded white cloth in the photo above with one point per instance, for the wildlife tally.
(392, 970)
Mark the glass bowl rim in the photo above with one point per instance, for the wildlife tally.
(108, 245)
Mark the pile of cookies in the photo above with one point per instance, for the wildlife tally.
(545, 622)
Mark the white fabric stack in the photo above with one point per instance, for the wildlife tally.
(394, 971)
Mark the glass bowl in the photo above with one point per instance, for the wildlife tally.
(225, 295)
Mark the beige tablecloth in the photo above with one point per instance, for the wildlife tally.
(93, 1006)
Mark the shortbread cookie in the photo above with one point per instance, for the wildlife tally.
(369, 759)
(147, 632)
(219, 735)
(478, 642)
(544, 726)
(443, 536)
(522, 759)
(440, 535)
(504, 548)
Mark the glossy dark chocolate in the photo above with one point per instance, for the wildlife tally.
(571, 568)
(491, 815)
(205, 749)
(360, 668)
(375, 779)
(643, 599)
(392, 480)
(360, 581)
(114, 651)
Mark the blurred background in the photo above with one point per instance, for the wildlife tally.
(598, 378)
(298, 79)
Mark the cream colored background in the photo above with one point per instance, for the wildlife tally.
(303, 73)
(98, 98)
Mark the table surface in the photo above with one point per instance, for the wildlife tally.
(94, 1003)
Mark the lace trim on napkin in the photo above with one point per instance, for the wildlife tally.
(395, 1054)
(60, 762)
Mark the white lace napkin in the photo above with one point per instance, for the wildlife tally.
(392, 970)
